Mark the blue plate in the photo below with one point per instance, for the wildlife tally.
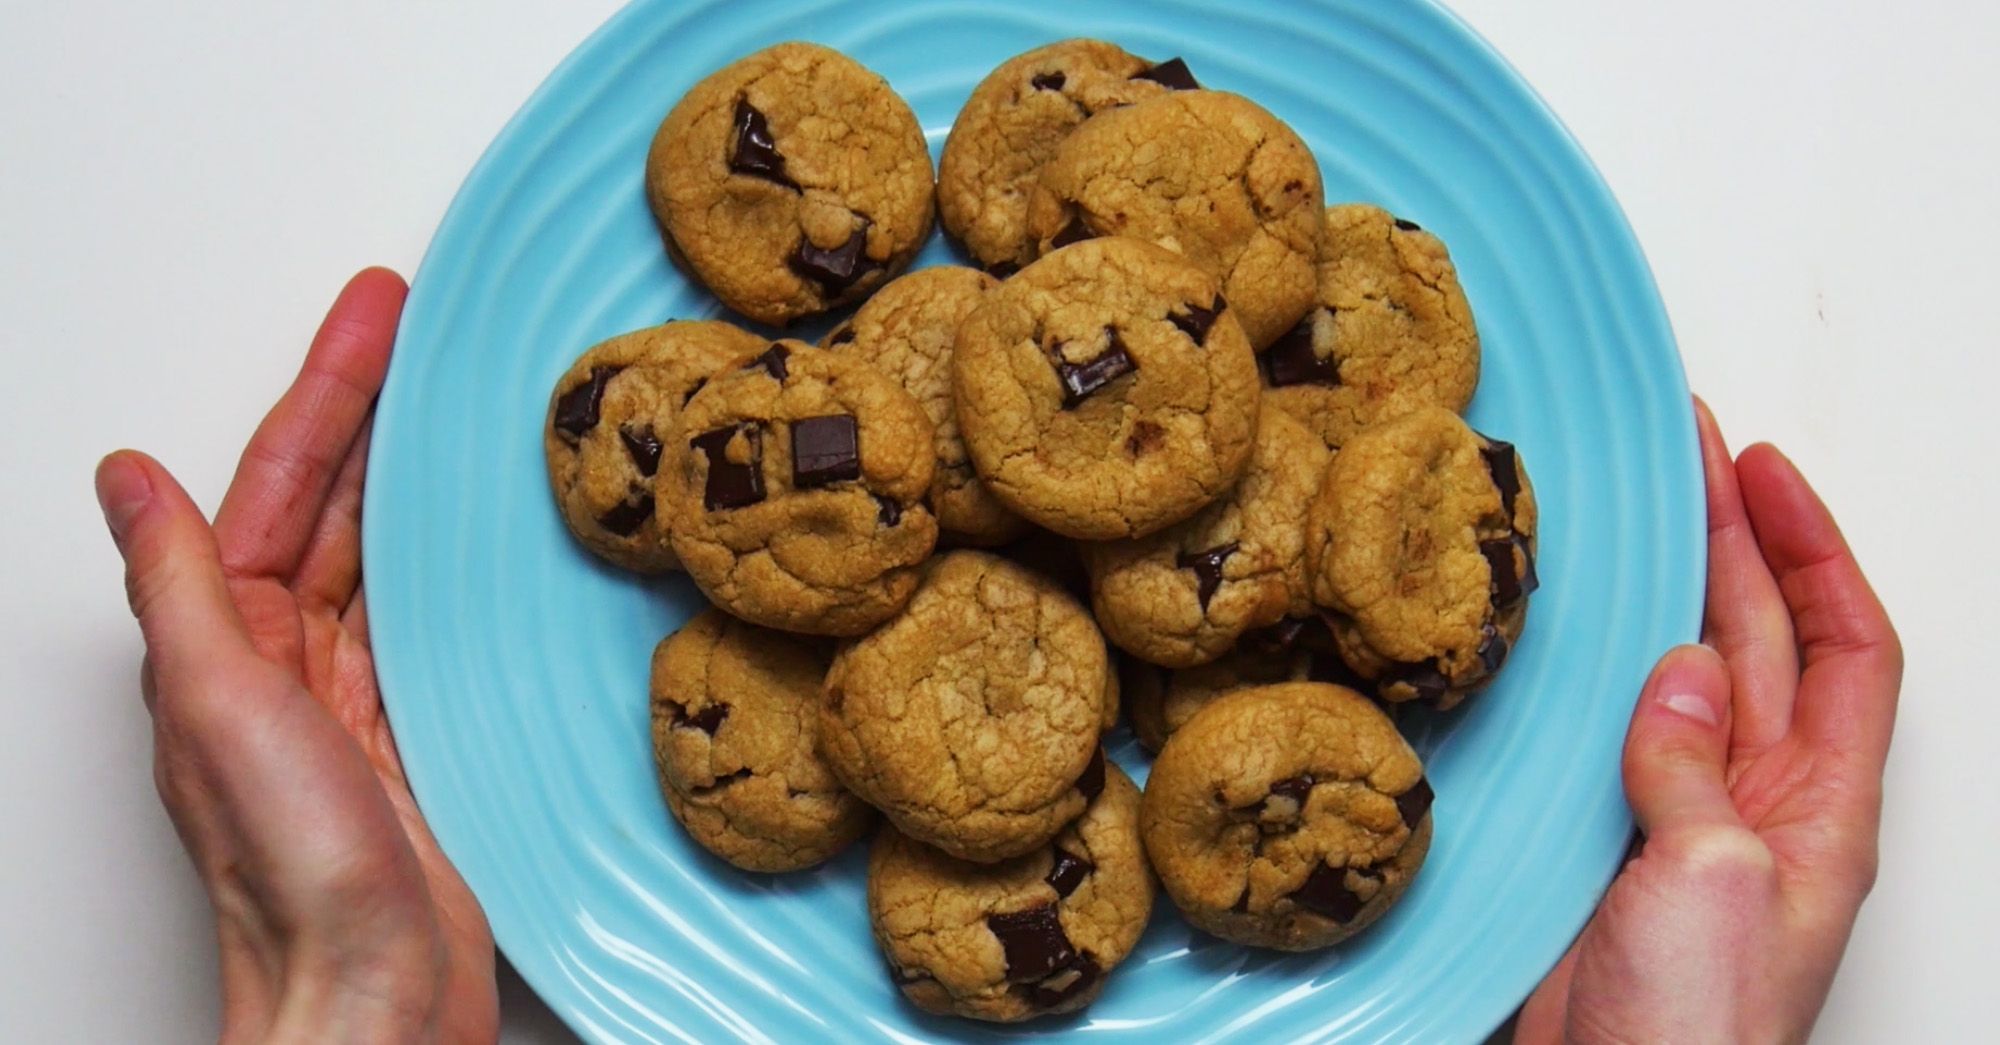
(515, 665)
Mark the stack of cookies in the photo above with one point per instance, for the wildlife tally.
(1175, 403)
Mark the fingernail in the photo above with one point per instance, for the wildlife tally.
(122, 491)
(1683, 686)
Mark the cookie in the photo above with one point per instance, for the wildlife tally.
(906, 332)
(1288, 816)
(972, 718)
(1391, 332)
(1011, 126)
(1106, 390)
(1181, 596)
(1207, 174)
(1025, 937)
(790, 182)
(1160, 700)
(1421, 548)
(793, 489)
(602, 435)
(733, 714)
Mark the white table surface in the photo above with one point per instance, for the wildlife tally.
(184, 186)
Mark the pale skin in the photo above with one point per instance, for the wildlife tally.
(1753, 763)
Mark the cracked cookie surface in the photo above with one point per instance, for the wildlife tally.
(1288, 816)
(972, 718)
(905, 331)
(733, 738)
(1183, 595)
(1010, 128)
(1209, 175)
(792, 489)
(1106, 390)
(1421, 548)
(791, 181)
(1029, 936)
(1391, 331)
(607, 417)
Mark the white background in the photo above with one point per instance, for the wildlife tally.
(184, 186)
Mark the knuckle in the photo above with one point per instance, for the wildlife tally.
(1720, 857)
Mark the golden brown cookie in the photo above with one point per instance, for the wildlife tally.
(906, 332)
(1181, 596)
(793, 488)
(791, 181)
(733, 730)
(1025, 937)
(606, 419)
(1289, 816)
(1106, 391)
(1421, 548)
(1391, 332)
(972, 718)
(1209, 175)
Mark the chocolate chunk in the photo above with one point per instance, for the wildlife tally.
(1506, 472)
(887, 511)
(1173, 73)
(1033, 941)
(772, 361)
(824, 450)
(1278, 639)
(1091, 783)
(644, 447)
(1207, 567)
(731, 485)
(1295, 788)
(1068, 872)
(1080, 381)
(1426, 678)
(1074, 232)
(1291, 360)
(1002, 269)
(1325, 893)
(577, 410)
(843, 336)
(1530, 580)
(1506, 579)
(837, 269)
(626, 518)
(1049, 81)
(1195, 321)
(1492, 649)
(699, 384)
(1408, 226)
(708, 719)
(1415, 802)
(1072, 980)
(756, 153)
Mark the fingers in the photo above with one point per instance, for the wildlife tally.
(1746, 618)
(330, 571)
(1543, 1015)
(292, 461)
(1853, 659)
(173, 576)
(1677, 750)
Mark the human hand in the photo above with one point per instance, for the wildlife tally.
(1754, 767)
(337, 915)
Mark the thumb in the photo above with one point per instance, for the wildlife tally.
(1676, 753)
(173, 573)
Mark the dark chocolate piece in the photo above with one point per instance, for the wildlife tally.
(1291, 360)
(1207, 567)
(1530, 580)
(1049, 81)
(1080, 381)
(1295, 788)
(755, 152)
(887, 511)
(772, 362)
(837, 269)
(1492, 650)
(844, 335)
(1278, 639)
(1067, 983)
(731, 485)
(1172, 73)
(1195, 321)
(1408, 226)
(1074, 232)
(824, 450)
(1067, 872)
(1506, 579)
(644, 447)
(1426, 678)
(577, 410)
(1091, 783)
(1325, 893)
(1415, 802)
(708, 719)
(1033, 941)
(626, 518)
(1506, 472)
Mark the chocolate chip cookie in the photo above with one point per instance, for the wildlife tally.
(793, 488)
(906, 332)
(1106, 390)
(1421, 548)
(1207, 174)
(1289, 816)
(1011, 126)
(1391, 331)
(1161, 700)
(606, 419)
(972, 718)
(1182, 596)
(733, 717)
(791, 181)
(1025, 937)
